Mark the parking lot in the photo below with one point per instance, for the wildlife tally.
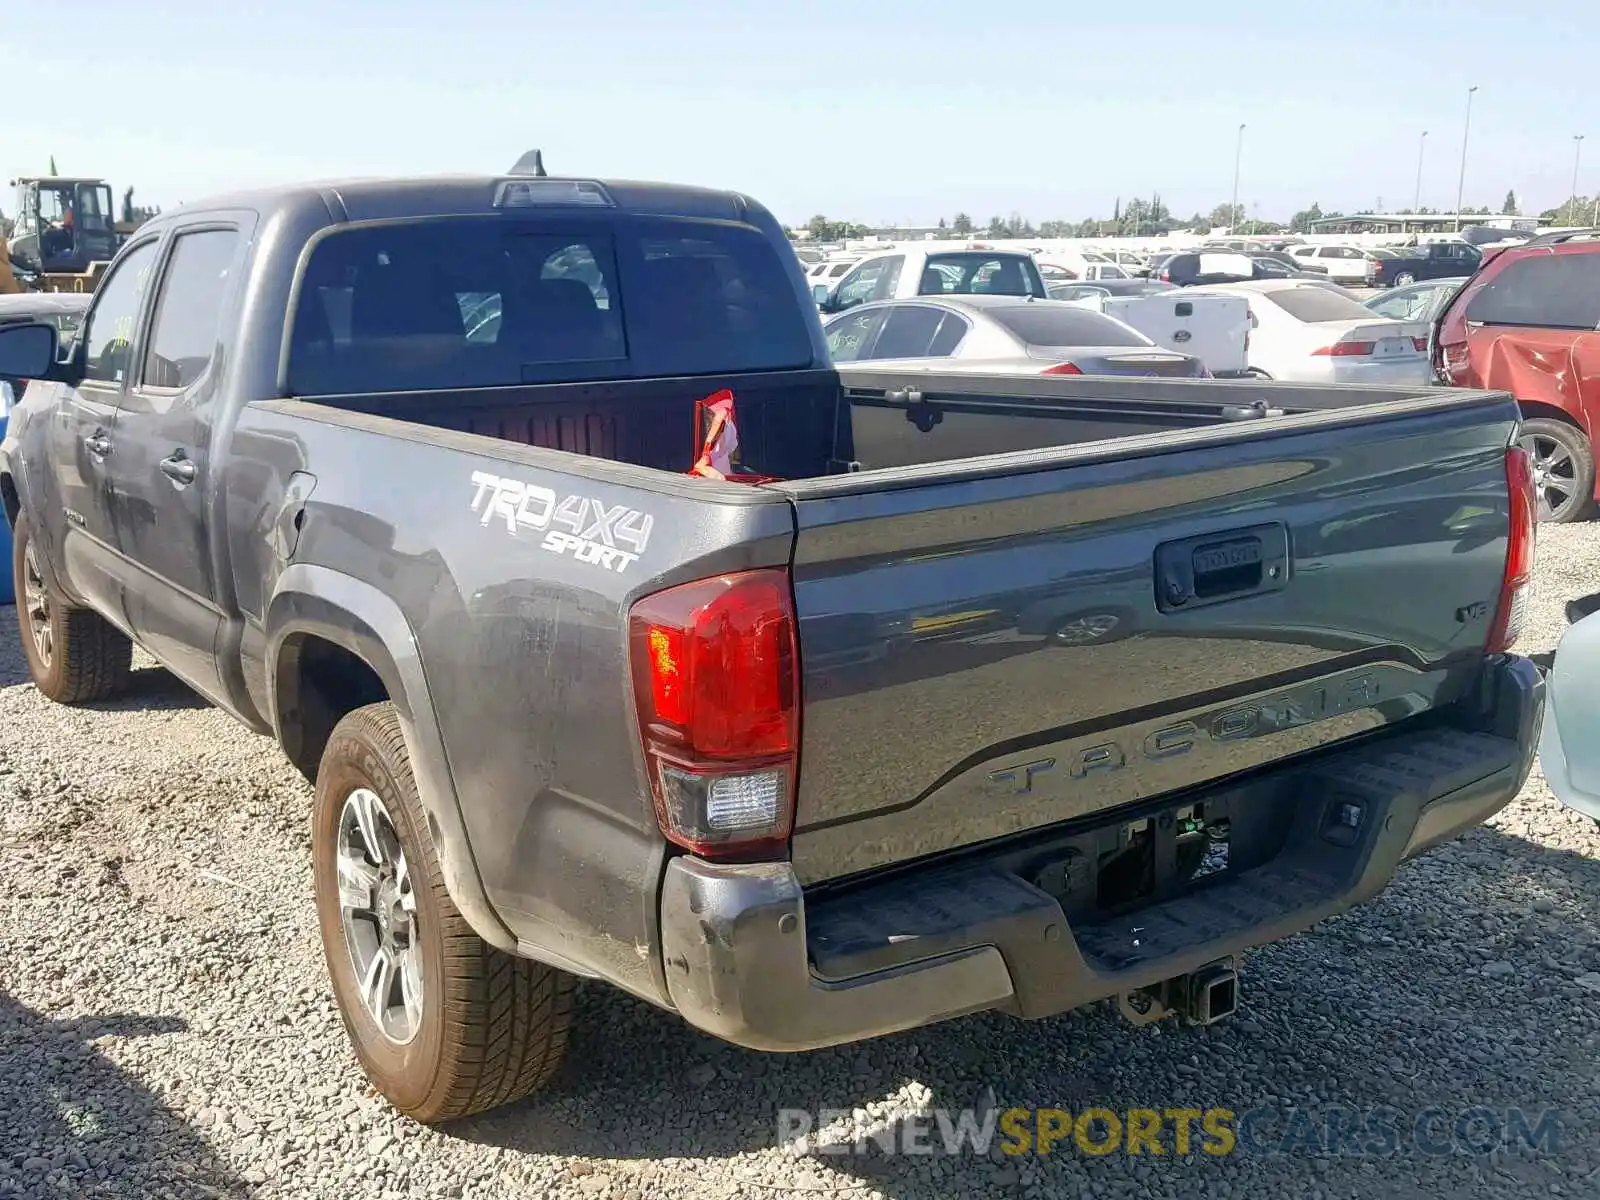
(166, 1027)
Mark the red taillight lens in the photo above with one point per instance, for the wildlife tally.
(716, 684)
(1420, 343)
(1065, 368)
(1346, 350)
(1512, 611)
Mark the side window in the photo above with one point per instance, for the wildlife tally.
(908, 332)
(849, 336)
(890, 279)
(116, 311)
(951, 330)
(858, 286)
(189, 308)
(1549, 291)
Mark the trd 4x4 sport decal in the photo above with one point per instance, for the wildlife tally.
(609, 536)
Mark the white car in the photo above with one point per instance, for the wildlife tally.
(828, 273)
(1348, 265)
(902, 274)
(1304, 333)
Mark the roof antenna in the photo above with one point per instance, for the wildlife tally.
(531, 163)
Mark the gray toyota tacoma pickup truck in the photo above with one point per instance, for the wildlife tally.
(1000, 694)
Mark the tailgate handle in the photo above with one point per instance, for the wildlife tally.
(1215, 567)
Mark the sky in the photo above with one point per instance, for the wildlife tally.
(878, 111)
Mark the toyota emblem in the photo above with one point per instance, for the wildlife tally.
(1183, 335)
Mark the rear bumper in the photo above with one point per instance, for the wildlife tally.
(748, 960)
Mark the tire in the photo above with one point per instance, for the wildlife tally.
(487, 1027)
(1405, 277)
(1563, 469)
(74, 654)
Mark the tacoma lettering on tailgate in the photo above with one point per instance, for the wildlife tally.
(609, 536)
(1272, 714)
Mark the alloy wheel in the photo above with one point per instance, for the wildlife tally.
(1555, 475)
(378, 913)
(36, 603)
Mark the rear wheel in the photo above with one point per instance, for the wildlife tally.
(1404, 278)
(74, 655)
(444, 1024)
(1563, 469)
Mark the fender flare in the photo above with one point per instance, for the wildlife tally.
(361, 619)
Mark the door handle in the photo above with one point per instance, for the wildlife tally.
(98, 444)
(178, 467)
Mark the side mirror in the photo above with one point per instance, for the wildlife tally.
(829, 302)
(27, 351)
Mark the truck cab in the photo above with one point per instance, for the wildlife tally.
(954, 270)
(64, 225)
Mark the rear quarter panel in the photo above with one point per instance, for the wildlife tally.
(522, 646)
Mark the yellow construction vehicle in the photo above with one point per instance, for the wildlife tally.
(64, 234)
(9, 283)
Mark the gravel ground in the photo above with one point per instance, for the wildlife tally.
(166, 1029)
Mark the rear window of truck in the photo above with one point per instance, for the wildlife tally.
(485, 302)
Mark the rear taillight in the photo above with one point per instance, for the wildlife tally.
(1065, 368)
(716, 684)
(1346, 349)
(1512, 611)
(1421, 344)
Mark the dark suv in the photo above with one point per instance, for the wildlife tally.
(1529, 323)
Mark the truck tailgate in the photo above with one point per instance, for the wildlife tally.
(996, 645)
(1213, 328)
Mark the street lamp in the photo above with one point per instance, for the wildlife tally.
(1461, 182)
(1577, 155)
(1238, 157)
(1422, 145)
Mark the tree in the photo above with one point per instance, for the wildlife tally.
(997, 227)
(1229, 215)
(1301, 221)
(942, 225)
(1580, 210)
(962, 225)
(824, 230)
(1509, 208)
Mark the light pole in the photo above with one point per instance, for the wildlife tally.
(1461, 182)
(1422, 145)
(1238, 157)
(1577, 156)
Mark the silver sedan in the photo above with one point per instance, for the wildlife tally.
(1008, 335)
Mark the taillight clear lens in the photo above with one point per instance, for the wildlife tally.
(716, 684)
(1516, 586)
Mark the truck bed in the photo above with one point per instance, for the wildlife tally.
(984, 573)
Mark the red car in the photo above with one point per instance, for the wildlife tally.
(1528, 322)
